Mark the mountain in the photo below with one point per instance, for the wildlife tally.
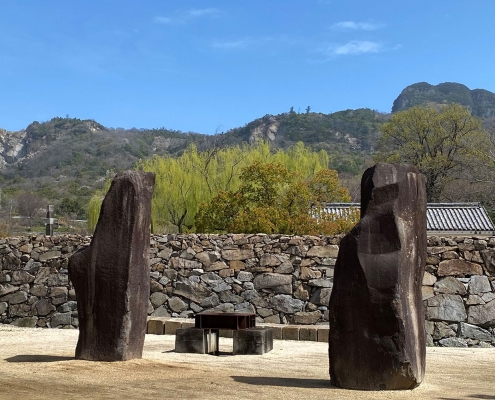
(479, 101)
(67, 159)
(69, 155)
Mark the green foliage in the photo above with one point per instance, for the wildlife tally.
(441, 143)
(270, 199)
(94, 205)
(183, 183)
(72, 207)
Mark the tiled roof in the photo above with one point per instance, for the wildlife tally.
(443, 217)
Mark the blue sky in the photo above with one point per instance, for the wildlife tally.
(208, 66)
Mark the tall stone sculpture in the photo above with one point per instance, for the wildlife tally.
(111, 276)
(377, 333)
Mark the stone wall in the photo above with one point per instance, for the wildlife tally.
(283, 279)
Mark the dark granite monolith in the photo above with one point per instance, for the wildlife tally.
(377, 334)
(111, 276)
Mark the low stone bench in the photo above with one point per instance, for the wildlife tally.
(204, 337)
(196, 340)
(253, 341)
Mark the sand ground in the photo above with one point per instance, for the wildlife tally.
(40, 364)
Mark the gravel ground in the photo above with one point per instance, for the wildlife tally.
(40, 364)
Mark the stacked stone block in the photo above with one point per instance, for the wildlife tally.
(284, 279)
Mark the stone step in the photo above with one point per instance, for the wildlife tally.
(311, 333)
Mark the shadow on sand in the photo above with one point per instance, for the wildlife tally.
(285, 382)
(37, 358)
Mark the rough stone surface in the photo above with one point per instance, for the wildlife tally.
(307, 318)
(192, 290)
(474, 332)
(453, 342)
(286, 303)
(458, 267)
(323, 251)
(449, 285)
(446, 307)
(377, 335)
(429, 279)
(321, 297)
(279, 283)
(51, 275)
(479, 284)
(483, 315)
(111, 276)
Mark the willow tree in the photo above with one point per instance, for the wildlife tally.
(442, 143)
(94, 205)
(185, 182)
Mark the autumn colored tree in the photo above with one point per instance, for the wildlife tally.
(442, 143)
(270, 199)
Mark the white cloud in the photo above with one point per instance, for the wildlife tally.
(163, 20)
(352, 25)
(356, 47)
(230, 45)
(183, 17)
(200, 12)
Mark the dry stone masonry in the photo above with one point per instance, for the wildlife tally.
(193, 273)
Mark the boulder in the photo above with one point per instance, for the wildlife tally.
(177, 304)
(453, 342)
(237, 254)
(269, 260)
(278, 283)
(323, 251)
(321, 296)
(21, 277)
(458, 267)
(193, 291)
(111, 276)
(158, 299)
(60, 319)
(377, 334)
(443, 330)
(449, 285)
(306, 318)
(445, 307)
(474, 332)
(479, 284)
(43, 307)
(286, 304)
(483, 314)
(15, 297)
(429, 279)
(489, 260)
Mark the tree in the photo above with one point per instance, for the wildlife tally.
(183, 183)
(71, 207)
(270, 199)
(30, 205)
(442, 143)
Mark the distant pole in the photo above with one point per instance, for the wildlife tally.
(10, 215)
(49, 221)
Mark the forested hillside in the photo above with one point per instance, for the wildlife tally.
(64, 160)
